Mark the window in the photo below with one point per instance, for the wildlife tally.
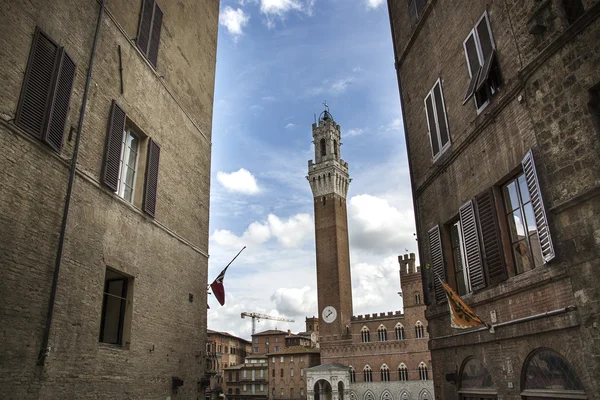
(281, 373)
(458, 257)
(402, 372)
(291, 359)
(253, 374)
(230, 391)
(255, 350)
(419, 330)
(281, 359)
(417, 298)
(276, 340)
(437, 122)
(594, 106)
(43, 106)
(273, 373)
(292, 393)
(323, 147)
(262, 373)
(256, 340)
(253, 387)
(521, 224)
(291, 371)
(352, 375)
(382, 333)
(335, 153)
(367, 374)
(423, 371)
(301, 371)
(365, 335)
(244, 387)
(272, 360)
(229, 376)
(573, 10)
(148, 35)
(244, 373)
(415, 8)
(262, 387)
(399, 331)
(484, 70)
(385, 373)
(549, 374)
(114, 322)
(226, 349)
(237, 376)
(273, 392)
(301, 392)
(276, 349)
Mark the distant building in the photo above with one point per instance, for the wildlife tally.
(223, 350)
(248, 380)
(501, 111)
(269, 341)
(287, 380)
(365, 357)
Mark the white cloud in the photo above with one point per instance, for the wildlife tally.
(234, 21)
(290, 126)
(295, 302)
(334, 88)
(353, 132)
(375, 286)
(341, 85)
(269, 98)
(292, 232)
(273, 9)
(371, 4)
(395, 125)
(241, 181)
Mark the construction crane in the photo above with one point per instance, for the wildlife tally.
(257, 316)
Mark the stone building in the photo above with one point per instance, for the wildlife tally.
(269, 341)
(287, 380)
(111, 302)
(503, 145)
(248, 380)
(365, 357)
(222, 350)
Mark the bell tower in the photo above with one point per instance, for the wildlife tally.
(329, 180)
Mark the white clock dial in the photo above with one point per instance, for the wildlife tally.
(329, 314)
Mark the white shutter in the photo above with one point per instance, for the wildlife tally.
(538, 207)
(437, 263)
(470, 234)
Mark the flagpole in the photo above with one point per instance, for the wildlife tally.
(227, 266)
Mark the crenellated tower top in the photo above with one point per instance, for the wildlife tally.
(328, 174)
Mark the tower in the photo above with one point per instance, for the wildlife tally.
(329, 180)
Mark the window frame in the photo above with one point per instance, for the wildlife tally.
(465, 269)
(125, 154)
(430, 94)
(124, 318)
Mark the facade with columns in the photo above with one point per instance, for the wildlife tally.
(381, 356)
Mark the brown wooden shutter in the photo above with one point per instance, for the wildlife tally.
(538, 207)
(112, 148)
(470, 235)
(437, 262)
(35, 100)
(145, 25)
(155, 35)
(61, 98)
(493, 253)
(151, 185)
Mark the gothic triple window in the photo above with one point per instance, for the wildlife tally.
(385, 373)
(423, 373)
(399, 331)
(365, 335)
(402, 372)
(419, 330)
(368, 374)
(382, 333)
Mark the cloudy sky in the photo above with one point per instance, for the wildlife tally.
(277, 61)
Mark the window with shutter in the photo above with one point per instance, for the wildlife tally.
(437, 263)
(461, 274)
(482, 63)
(472, 248)
(437, 121)
(492, 251)
(46, 93)
(149, 30)
(112, 148)
(151, 186)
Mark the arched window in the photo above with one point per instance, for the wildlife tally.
(419, 330)
(402, 372)
(335, 147)
(367, 373)
(323, 148)
(417, 298)
(237, 391)
(230, 391)
(352, 374)
(399, 331)
(365, 335)
(548, 374)
(382, 333)
(423, 374)
(385, 373)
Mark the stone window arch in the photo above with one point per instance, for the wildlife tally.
(399, 329)
(335, 152)
(367, 373)
(352, 374)
(387, 395)
(365, 334)
(404, 395)
(323, 147)
(475, 380)
(425, 395)
(385, 373)
(369, 395)
(423, 371)
(402, 372)
(417, 298)
(382, 333)
(548, 374)
(419, 330)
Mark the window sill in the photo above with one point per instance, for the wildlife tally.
(442, 156)
(113, 347)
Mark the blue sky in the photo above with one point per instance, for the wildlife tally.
(277, 62)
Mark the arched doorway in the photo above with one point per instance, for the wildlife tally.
(322, 390)
(548, 375)
(341, 390)
(476, 381)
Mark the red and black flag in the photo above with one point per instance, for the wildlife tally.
(217, 286)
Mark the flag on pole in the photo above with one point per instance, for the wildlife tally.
(217, 286)
(461, 315)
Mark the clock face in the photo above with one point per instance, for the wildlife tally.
(329, 314)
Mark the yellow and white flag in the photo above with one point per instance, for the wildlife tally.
(461, 315)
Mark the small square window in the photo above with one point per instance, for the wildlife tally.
(116, 310)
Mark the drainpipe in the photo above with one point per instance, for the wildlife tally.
(61, 241)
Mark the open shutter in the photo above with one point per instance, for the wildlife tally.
(485, 70)
(53, 135)
(151, 185)
(493, 254)
(470, 235)
(538, 207)
(437, 263)
(112, 149)
(433, 135)
(145, 25)
(155, 35)
(35, 99)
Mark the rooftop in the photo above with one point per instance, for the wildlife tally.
(296, 350)
(271, 332)
(210, 331)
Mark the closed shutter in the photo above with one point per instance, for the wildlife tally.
(151, 185)
(35, 99)
(470, 235)
(155, 36)
(538, 207)
(493, 253)
(112, 149)
(53, 135)
(143, 36)
(437, 263)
